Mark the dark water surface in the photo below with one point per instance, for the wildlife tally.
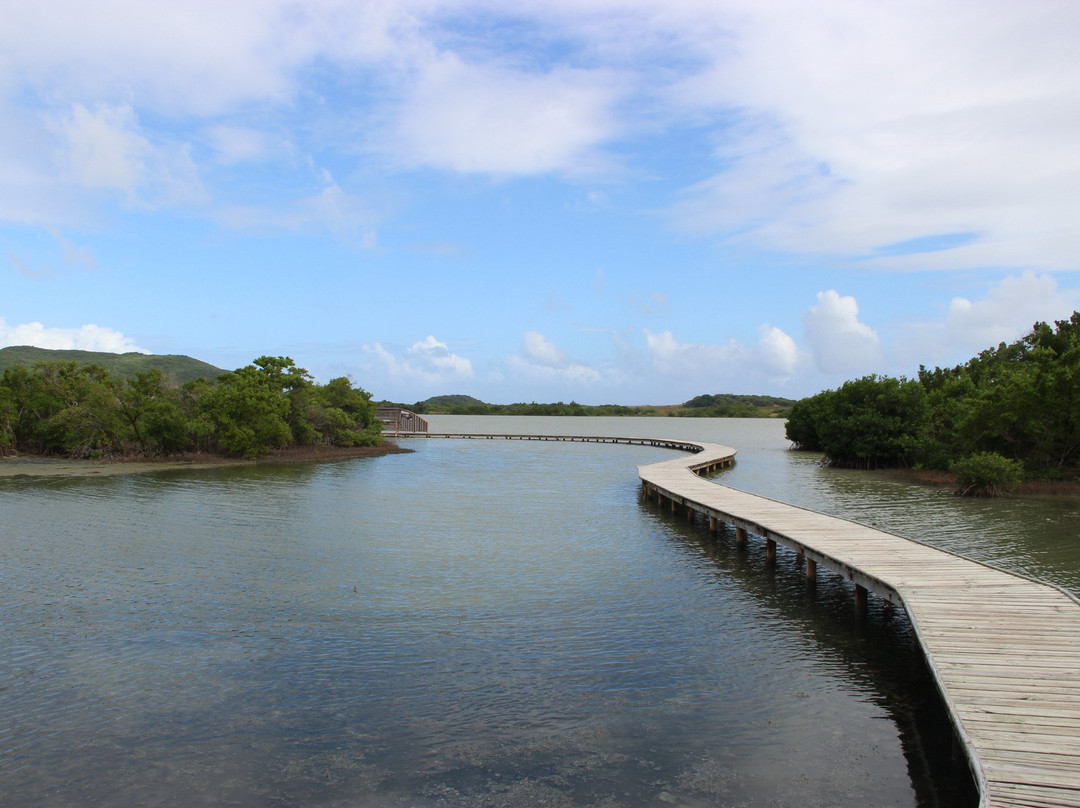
(480, 623)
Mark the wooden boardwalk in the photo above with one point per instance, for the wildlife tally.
(1004, 649)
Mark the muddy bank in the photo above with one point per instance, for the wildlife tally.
(35, 466)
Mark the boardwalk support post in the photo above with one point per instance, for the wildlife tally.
(712, 524)
(740, 537)
(811, 569)
(770, 550)
(860, 598)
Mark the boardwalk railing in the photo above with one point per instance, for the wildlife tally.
(1004, 649)
(397, 421)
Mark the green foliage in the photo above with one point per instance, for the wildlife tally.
(728, 405)
(721, 405)
(1019, 401)
(867, 423)
(986, 474)
(84, 411)
(180, 369)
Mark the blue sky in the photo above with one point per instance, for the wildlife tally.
(630, 202)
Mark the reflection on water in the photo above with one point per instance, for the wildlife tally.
(477, 623)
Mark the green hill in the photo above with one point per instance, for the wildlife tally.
(181, 368)
(720, 405)
(448, 402)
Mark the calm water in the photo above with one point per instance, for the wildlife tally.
(479, 623)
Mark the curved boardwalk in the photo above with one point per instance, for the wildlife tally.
(1004, 649)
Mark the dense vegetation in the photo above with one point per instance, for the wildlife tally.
(180, 369)
(1010, 410)
(86, 411)
(728, 405)
(721, 405)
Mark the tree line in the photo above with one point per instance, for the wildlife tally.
(720, 405)
(1011, 411)
(85, 411)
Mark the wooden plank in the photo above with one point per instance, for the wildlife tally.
(1005, 649)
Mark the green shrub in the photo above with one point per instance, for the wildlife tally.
(986, 474)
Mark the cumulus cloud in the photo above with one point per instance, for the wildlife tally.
(540, 360)
(83, 338)
(777, 351)
(1009, 308)
(428, 361)
(541, 351)
(1006, 312)
(839, 342)
(734, 365)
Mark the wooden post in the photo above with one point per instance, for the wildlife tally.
(860, 598)
(740, 537)
(712, 524)
(770, 550)
(690, 513)
(811, 569)
(674, 506)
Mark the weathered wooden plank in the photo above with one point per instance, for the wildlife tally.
(1005, 649)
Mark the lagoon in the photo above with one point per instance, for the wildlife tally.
(476, 623)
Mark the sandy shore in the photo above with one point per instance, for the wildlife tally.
(31, 466)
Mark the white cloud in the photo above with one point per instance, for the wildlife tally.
(427, 361)
(541, 361)
(777, 351)
(1007, 311)
(488, 119)
(105, 149)
(83, 338)
(729, 365)
(541, 351)
(838, 341)
(1009, 308)
(869, 125)
(331, 208)
(242, 144)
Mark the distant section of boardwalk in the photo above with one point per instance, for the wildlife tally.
(1004, 649)
(666, 443)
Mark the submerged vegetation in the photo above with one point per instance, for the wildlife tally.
(1011, 412)
(83, 410)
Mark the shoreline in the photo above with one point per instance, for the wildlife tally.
(44, 466)
(1029, 489)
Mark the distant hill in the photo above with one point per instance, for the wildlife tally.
(440, 402)
(180, 368)
(729, 405)
(720, 405)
